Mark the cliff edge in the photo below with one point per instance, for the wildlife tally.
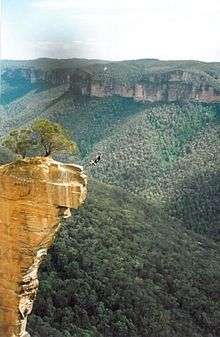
(34, 194)
(164, 86)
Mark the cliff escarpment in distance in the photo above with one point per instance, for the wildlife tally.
(20, 77)
(147, 80)
(152, 80)
(34, 194)
(172, 86)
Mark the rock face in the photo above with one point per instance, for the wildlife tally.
(170, 86)
(35, 76)
(34, 194)
(177, 85)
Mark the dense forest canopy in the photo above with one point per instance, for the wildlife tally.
(141, 258)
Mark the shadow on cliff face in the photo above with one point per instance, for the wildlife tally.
(14, 91)
(56, 100)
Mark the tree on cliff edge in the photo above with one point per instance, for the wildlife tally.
(43, 135)
(52, 137)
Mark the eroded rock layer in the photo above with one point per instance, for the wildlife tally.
(167, 86)
(34, 194)
(150, 85)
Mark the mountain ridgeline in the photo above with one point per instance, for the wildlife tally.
(141, 258)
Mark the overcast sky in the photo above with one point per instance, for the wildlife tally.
(113, 29)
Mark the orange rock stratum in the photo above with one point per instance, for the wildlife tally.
(34, 194)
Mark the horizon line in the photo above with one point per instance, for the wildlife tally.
(104, 60)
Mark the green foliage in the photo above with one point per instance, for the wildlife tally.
(45, 63)
(190, 190)
(154, 71)
(16, 81)
(52, 137)
(125, 265)
(15, 75)
(19, 141)
(156, 150)
(43, 135)
(91, 120)
(168, 154)
(119, 269)
(30, 106)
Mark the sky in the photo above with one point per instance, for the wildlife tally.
(111, 30)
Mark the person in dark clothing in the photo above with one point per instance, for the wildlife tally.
(96, 159)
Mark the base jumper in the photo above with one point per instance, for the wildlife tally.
(95, 161)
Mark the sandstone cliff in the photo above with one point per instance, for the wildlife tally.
(34, 194)
(30, 76)
(156, 82)
(166, 86)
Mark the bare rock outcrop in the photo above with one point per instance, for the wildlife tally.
(34, 194)
(166, 86)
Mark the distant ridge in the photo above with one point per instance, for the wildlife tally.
(148, 80)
